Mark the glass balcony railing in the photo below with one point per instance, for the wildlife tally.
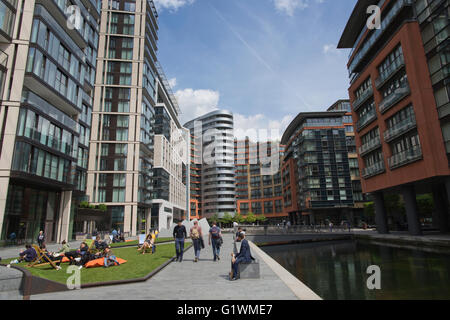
(362, 98)
(373, 170)
(366, 119)
(400, 128)
(390, 16)
(395, 66)
(369, 146)
(400, 159)
(395, 97)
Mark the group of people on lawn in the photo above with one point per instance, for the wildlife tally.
(79, 257)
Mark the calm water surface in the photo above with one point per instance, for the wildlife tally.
(337, 270)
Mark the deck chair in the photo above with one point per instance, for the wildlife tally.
(142, 238)
(41, 256)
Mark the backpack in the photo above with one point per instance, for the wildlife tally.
(195, 233)
(215, 232)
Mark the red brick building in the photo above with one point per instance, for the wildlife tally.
(399, 93)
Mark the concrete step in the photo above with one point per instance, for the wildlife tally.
(10, 279)
(11, 295)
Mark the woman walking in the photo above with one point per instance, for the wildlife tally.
(197, 238)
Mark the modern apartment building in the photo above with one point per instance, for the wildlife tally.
(258, 179)
(400, 103)
(213, 160)
(134, 164)
(47, 70)
(316, 180)
(358, 197)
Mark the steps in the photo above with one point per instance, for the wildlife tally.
(10, 284)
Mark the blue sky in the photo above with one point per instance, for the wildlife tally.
(265, 60)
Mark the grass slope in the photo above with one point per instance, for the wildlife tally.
(137, 266)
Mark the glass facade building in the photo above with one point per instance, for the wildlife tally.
(46, 115)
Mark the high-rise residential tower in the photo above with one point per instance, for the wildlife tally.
(213, 161)
(136, 163)
(47, 68)
(400, 96)
(258, 179)
(317, 185)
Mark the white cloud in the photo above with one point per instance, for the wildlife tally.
(195, 103)
(288, 7)
(172, 5)
(329, 48)
(173, 82)
(249, 125)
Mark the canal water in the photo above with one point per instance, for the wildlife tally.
(338, 270)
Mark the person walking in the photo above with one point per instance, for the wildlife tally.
(179, 234)
(41, 239)
(196, 235)
(215, 239)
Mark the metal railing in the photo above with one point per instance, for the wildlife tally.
(362, 98)
(369, 146)
(400, 159)
(373, 170)
(396, 65)
(401, 128)
(366, 119)
(395, 97)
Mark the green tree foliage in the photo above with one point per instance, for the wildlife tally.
(251, 218)
(261, 219)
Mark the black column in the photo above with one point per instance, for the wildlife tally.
(440, 208)
(380, 213)
(412, 212)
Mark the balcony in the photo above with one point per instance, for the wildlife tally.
(395, 97)
(370, 146)
(363, 98)
(376, 35)
(366, 119)
(373, 170)
(403, 158)
(401, 128)
(393, 68)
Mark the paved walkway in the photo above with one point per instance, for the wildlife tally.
(205, 280)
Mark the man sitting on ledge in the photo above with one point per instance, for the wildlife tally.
(244, 256)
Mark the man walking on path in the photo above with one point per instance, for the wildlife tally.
(180, 234)
(197, 238)
(215, 238)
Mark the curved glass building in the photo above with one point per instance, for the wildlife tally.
(214, 157)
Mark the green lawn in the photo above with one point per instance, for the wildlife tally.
(135, 242)
(137, 266)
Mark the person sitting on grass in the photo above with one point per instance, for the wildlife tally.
(27, 255)
(65, 247)
(99, 244)
(54, 257)
(72, 255)
(109, 258)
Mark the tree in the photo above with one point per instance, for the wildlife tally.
(239, 218)
(214, 217)
(261, 219)
(251, 218)
(227, 219)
